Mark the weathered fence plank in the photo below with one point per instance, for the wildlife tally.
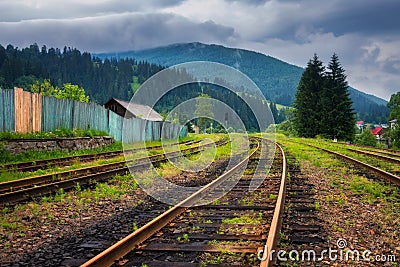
(7, 110)
(36, 112)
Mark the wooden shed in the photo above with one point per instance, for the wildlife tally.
(132, 110)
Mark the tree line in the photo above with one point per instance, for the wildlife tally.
(101, 79)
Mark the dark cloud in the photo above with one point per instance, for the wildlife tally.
(114, 32)
(363, 32)
(368, 17)
(14, 11)
(295, 20)
(250, 2)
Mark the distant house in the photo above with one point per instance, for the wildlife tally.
(393, 124)
(132, 110)
(378, 132)
(360, 125)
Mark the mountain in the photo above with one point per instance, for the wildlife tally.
(276, 79)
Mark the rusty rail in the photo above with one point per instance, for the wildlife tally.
(276, 223)
(9, 196)
(386, 175)
(372, 154)
(132, 241)
(44, 164)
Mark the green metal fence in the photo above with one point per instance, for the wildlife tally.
(69, 114)
(7, 116)
(56, 114)
(90, 115)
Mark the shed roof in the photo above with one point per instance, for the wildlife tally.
(140, 111)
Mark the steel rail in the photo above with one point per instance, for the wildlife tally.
(276, 223)
(20, 195)
(132, 241)
(372, 154)
(31, 181)
(386, 175)
(40, 164)
(23, 194)
(387, 151)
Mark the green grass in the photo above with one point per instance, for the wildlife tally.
(342, 175)
(371, 191)
(273, 196)
(7, 158)
(13, 175)
(53, 134)
(342, 149)
(244, 219)
(199, 160)
(116, 188)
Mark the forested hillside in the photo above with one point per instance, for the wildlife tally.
(103, 79)
(277, 80)
(100, 79)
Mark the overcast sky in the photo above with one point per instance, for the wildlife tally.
(364, 33)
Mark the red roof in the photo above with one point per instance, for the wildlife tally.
(360, 122)
(377, 131)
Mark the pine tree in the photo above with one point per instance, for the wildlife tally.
(337, 112)
(307, 118)
(394, 133)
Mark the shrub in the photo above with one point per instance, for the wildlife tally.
(366, 138)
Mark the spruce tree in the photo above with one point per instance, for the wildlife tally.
(307, 116)
(337, 112)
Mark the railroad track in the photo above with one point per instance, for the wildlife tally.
(234, 229)
(384, 174)
(386, 151)
(385, 157)
(35, 165)
(24, 189)
(302, 228)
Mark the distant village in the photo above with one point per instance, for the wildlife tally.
(379, 130)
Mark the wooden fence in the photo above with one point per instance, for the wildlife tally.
(25, 112)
